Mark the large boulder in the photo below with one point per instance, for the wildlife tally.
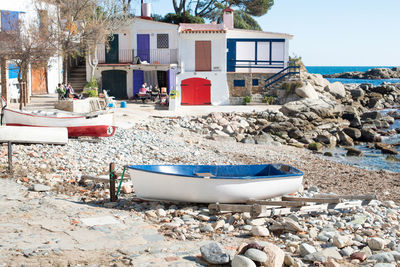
(369, 135)
(352, 132)
(307, 91)
(374, 115)
(336, 89)
(344, 139)
(323, 107)
(275, 255)
(214, 253)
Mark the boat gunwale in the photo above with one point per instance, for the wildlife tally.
(74, 116)
(287, 175)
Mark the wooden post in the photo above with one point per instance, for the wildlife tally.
(113, 197)
(10, 168)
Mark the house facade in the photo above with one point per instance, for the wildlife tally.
(208, 64)
(220, 65)
(41, 80)
(153, 44)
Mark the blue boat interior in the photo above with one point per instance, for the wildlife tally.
(223, 171)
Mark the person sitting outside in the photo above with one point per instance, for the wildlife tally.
(143, 93)
(71, 93)
(61, 91)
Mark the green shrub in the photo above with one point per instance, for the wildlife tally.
(291, 86)
(91, 93)
(268, 99)
(92, 84)
(246, 100)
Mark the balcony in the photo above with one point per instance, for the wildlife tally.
(130, 56)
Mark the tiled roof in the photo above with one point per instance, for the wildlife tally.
(203, 27)
(203, 31)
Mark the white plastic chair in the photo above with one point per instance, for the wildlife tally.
(109, 99)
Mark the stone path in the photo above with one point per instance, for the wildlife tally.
(40, 228)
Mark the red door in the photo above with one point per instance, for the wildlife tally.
(196, 91)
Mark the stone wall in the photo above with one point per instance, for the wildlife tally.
(241, 91)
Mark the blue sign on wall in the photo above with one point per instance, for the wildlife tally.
(12, 71)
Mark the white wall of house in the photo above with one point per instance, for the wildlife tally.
(219, 85)
(245, 50)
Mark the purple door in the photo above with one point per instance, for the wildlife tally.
(171, 80)
(143, 47)
(138, 79)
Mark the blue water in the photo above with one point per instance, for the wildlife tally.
(339, 69)
(373, 159)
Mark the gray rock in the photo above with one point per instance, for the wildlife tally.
(342, 241)
(347, 251)
(336, 89)
(41, 188)
(256, 255)
(242, 261)
(385, 265)
(375, 115)
(214, 253)
(396, 255)
(259, 231)
(385, 257)
(306, 249)
(307, 91)
(206, 228)
(376, 243)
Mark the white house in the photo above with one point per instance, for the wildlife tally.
(40, 80)
(208, 64)
(219, 63)
(154, 43)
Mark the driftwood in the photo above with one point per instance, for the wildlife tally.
(288, 205)
(102, 179)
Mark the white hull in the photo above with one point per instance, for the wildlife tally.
(160, 186)
(48, 135)
(94, 125)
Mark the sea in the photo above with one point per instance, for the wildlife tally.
(373, 159)
(339, 69)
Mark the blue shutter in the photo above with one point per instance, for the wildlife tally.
(12, 71)
(9, 20)
(171, 80)
(231, 56)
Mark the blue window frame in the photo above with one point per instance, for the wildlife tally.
(255, 82)
(9, 20)
(232, 62)
(239, 83)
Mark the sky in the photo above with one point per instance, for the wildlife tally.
(332, 32)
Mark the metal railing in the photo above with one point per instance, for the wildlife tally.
(151, 56)
(291, 69)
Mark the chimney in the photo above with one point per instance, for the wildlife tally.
(146, 10)
(228, 18)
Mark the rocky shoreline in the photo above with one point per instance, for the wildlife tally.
(372, 74)
(52, 207)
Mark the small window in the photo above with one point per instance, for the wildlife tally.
(162, 40)
(255, 82)
(238, 83)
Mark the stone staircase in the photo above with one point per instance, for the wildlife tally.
(77, 78)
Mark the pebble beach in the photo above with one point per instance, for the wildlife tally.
(52, 218)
